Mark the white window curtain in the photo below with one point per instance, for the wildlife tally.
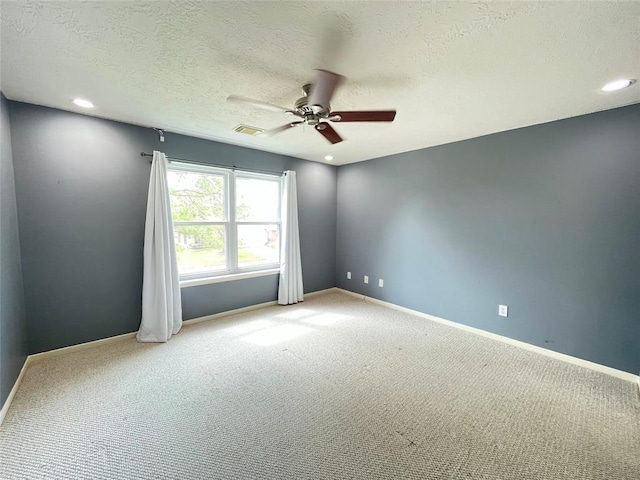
(290, 288)
(161, 307)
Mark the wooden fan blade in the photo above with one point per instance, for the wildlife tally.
(273, 131)
(328, 132)
(257, 104)
(322, 88)
(364, 116)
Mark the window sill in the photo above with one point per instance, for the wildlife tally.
(194, 282)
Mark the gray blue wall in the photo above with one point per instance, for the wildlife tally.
(13, 340)
(81, 193)
(544, 219)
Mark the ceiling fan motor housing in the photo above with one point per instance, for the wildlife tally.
(304, 109)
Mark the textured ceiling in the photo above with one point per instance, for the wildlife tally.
(452, 70)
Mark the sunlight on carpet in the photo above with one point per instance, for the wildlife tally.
(334, 388)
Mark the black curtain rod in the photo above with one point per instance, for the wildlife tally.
(233, 167)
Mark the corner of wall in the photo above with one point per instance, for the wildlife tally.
(13, 345)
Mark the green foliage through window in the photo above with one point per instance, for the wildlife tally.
(201, 222)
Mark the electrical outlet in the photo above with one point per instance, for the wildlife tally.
(366, 279)
(348, 275)
(503, 310)
(380, 282)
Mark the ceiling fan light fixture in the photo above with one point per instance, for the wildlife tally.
(618, 84)
(81, 102)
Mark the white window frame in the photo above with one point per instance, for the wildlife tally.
(233, 270)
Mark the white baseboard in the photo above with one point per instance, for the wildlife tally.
(322, 292)
(527, 346)
(12, 393)
(124, 336)
(95, 343)
(228, 313)
(80, 346)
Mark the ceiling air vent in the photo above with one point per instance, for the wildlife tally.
(247, 130)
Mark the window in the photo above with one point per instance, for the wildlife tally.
(224, 221)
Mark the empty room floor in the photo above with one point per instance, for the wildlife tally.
(333, 388)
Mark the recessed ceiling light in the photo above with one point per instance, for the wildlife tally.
(83, 103)
(328, 158)
(617, 85)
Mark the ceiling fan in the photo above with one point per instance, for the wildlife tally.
(314, 108)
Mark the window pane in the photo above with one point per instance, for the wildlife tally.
(257, 200)
(258, 245)
(200, 248)
(196, 196)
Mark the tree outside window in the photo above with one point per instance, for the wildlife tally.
(215, 233)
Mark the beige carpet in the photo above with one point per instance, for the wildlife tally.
(334, 388)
